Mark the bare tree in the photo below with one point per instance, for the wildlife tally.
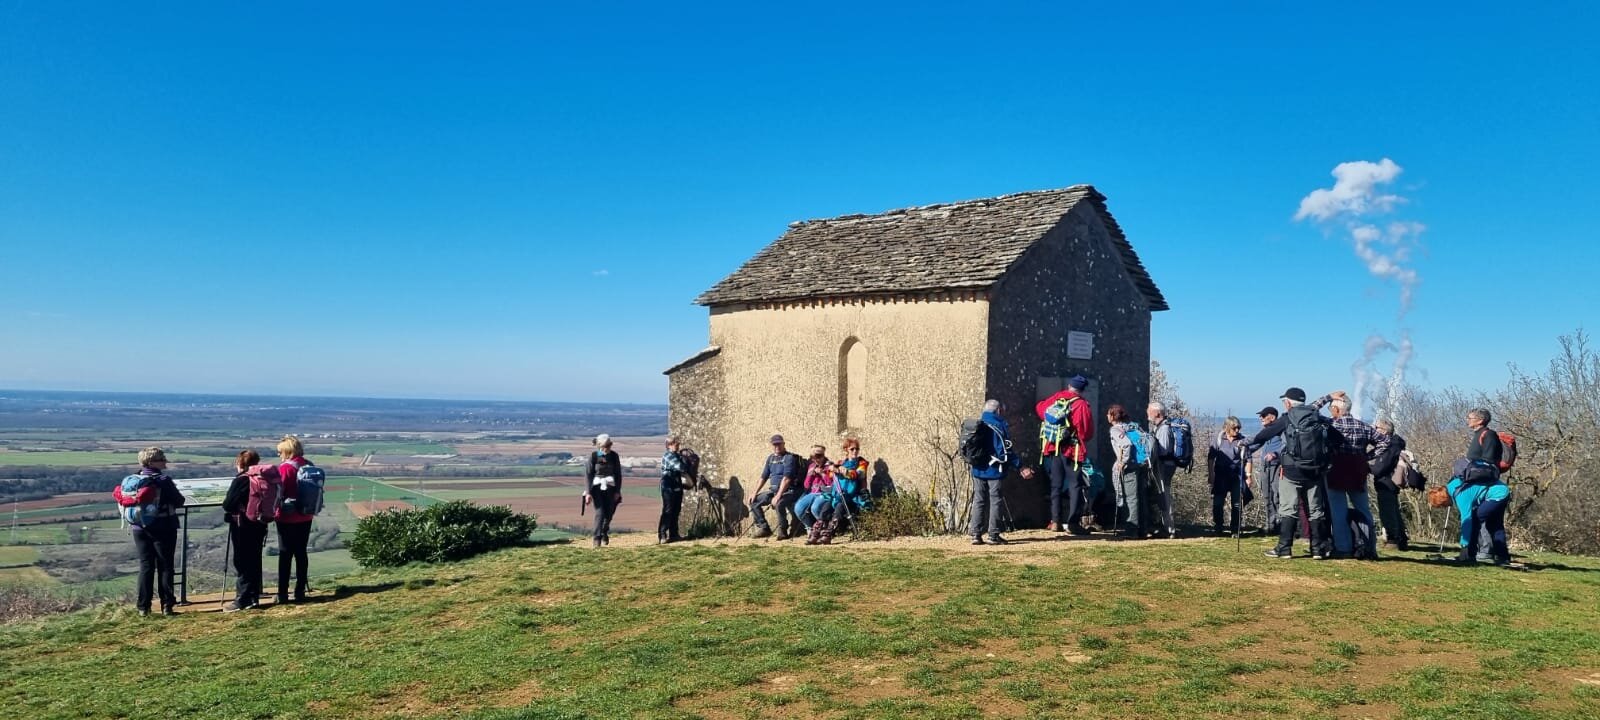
(1165, 391)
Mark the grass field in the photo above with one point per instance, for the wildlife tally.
(918, 629)
(12, 555)
(68, 458)
(394, 448)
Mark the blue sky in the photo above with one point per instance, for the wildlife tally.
(520, 201)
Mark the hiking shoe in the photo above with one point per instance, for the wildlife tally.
(1053, 527)
(168, 611)
(144, 612)
(1079, 530)
(996, 540)
(977, 540)
(760, 532)
(234, 606)
(1319, 556)
(1283, 555)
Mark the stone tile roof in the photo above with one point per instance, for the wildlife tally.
(962, 245)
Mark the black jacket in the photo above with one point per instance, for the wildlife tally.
(238, 495)
(601, 464)
(1484, 444)
(1383, 464)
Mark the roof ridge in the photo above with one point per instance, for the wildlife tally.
(895, 212)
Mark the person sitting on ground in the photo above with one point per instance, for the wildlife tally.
(1065, 447)
(1262, 469)
(987, 475)
(674, 478)
(294, 527)
(1225, 470)
(818, 481)
(780, 483)
(602, 483)
(155, 531)
(1354, 442)
(247, 534)
(846, 497)
(1480, 495)
(1163, 466)
(1129, 473)
(1385, 461)
(1302, 477)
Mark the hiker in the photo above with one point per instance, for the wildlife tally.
(1385, 461)
(1354, 442)
(1163, 464)
(294, 524)
(781, 479)
(1065, 429)
(988, 472)
(1225, 470)
(154, 527)
(675, 476)
(1306, 444)
(1129, 474)
(848, 496)
(817, 483)
(248, 534)
(602, 482)
(1263, 467)
(1480, 495)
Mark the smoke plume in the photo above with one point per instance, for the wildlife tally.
(1359, 194)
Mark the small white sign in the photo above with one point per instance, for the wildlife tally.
(1080, 345)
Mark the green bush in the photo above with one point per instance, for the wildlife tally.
(437, 533)
(896, 515)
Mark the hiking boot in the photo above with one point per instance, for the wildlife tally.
(977, 540)
(1279, 554)
(1285, 548)
(996, 540)
(282, 599)
(1078, 530)
(144, 612)
(235, 606)
(168, 611)
(784, 536)
(761, 531)
(596, 546)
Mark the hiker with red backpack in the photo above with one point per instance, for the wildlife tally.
(301, 501)
(250, 505)
(149, 502)
(1066, 425)
(1480, 495)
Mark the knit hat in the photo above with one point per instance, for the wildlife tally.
(1078, 382)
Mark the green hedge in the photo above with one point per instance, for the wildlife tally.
(437, 533)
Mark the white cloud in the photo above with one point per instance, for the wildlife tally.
(1354, 191)
(601, 273)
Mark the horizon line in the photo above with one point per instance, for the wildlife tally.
(5, 390)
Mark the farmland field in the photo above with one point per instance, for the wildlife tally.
(68, 458)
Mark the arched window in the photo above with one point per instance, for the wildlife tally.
(852, 385)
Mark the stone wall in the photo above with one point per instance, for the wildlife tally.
(779, 370)
(1073, 279)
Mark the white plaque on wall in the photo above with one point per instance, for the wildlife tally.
(1080, 345)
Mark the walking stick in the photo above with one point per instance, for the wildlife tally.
(227, 545)
(1238, 510)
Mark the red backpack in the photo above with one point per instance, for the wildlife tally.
(1508, 451)
(266, 491)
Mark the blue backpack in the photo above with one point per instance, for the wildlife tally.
(1141, 445)
(138, 499)
(1182, 442)
(309, 481)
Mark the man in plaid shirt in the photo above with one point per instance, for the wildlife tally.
(1354, 443)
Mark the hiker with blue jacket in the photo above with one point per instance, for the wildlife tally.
(988, 473)
(1307, 447)
(781, 479)
(1066, 426)
(1129, 472)
(155, 534)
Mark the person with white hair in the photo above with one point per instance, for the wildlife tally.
(1164, 465)
(149, 501)
(1354, 444)
(602, 474)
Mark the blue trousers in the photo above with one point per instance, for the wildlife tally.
(1340, 504)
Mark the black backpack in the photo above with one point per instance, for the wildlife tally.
(1361, 537)
(977, 443)
(1305, 442)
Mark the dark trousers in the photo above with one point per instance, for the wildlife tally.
(671, 508)
(784, 506)
(248, 538)
(1489, 531)
(156, 546)
(292, 541)
(1394, 523)
(1066, 490)
(605, 506)
(1219, 495)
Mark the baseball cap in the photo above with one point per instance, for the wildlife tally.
(1294, 393)
(777, 439)
(1268, 410)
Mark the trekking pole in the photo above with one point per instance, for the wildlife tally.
(227, 545)
(1238, 510)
